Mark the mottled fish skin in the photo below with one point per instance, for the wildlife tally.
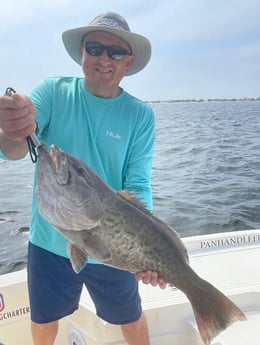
(116, 229)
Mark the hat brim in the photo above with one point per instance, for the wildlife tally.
(140, 46)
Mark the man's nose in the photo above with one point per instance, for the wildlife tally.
(104, 56)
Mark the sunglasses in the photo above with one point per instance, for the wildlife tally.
(113, 52)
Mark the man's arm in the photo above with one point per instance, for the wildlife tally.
(12, 148)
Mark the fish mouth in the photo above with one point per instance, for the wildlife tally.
(54, 155)
(53, 165)
(44, 155)
(61, 164)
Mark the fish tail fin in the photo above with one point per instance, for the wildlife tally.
(213, 311)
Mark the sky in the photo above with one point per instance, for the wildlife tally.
(200, 48)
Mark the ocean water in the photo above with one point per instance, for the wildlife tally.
(206, 175)
(206, 172)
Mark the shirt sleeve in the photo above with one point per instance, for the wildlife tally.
(42, 97)
(138, 175)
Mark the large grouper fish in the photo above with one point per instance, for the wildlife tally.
(116, 229)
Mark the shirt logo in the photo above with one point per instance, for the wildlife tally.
(113, 135)
(2, 304)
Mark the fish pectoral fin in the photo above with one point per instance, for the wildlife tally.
(78, 258)
(97, 248)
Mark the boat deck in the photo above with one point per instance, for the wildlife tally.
(230, 261)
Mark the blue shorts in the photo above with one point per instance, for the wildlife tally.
(55, 289)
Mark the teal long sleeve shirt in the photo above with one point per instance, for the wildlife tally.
(114, 136)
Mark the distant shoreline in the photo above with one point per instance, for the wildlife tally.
(208, 100)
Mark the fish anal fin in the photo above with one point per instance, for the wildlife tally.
(131, 198)
(78, 258)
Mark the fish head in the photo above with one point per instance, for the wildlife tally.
(66, 190)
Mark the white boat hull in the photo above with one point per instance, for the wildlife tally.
(230, 261)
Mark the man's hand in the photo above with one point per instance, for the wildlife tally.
(17, 121)
(17, 116)
(151, 277)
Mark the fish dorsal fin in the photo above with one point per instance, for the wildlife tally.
(130, 197)
(172, 234)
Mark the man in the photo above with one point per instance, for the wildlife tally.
(94, 119)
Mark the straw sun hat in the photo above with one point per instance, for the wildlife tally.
(117, 25)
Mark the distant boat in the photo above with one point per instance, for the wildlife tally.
(230, 261)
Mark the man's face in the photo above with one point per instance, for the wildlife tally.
(102, 73)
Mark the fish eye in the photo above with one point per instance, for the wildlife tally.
(80, 170)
